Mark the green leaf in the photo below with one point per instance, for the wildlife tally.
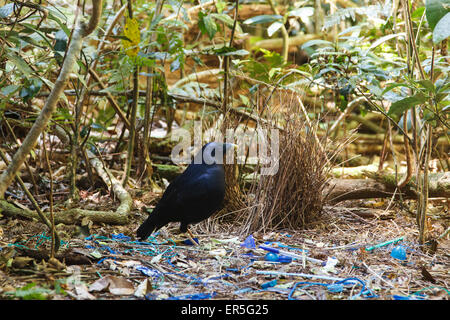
(176, 63)
(316, 42)
(207, 25)
(417, 14)
(401, 106)
(20, 64)
(220, 5)
(245, 100)
(442, 29)
(443, 86)
(427, 84)
(273, 71)
(6, 91)
(224, 18)
(274, 27)
(265, 18)
(440, 96)
(6, 10)
(391, 86)
(383, 39)
(301, 12)
(30, 292)
(229, 51)
(435, 10)
(30, 89)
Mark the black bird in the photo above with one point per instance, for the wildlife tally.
(194, 195)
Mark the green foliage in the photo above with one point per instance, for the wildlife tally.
(438, 17)
(207, 25)
(30, 292)
(265, 70)
(266, 18)
(436, 10)
(366, 58)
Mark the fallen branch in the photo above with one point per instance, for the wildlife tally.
(276, 43)
(76, 215)
(383, 186)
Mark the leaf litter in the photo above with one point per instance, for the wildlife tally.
(340, 258)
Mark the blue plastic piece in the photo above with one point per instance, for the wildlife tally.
(271, 257)
(399, 252)
(284, 259)
(196, 296)
(120, 236)
(149, 272)
(243, 290)
(269, 284)
(249, 242)
(335, 288)
(189, 242)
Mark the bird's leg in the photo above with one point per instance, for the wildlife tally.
(191, 237)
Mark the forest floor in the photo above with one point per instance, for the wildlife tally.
(357, 263)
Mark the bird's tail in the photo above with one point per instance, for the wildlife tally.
(148, 227)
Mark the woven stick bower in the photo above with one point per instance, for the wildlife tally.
(291, 197)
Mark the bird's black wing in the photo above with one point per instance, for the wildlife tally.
(191, 197)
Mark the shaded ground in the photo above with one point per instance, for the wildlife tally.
(165, 267)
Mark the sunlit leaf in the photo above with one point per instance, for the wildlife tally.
(133, 35)
(301, 12)
(442, 29)
(402, 105)
(6, 10)
(435, 10)
(265, 18)
(274, 27)
(207, 25)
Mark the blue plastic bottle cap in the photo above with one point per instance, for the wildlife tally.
(271, 257)
(399, 252)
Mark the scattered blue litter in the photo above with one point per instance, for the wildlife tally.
(249, 242)
(249, 255)
(151, 296)
(107, 248)
(226, 275)
(243, 290)
(240, 269)
(148, 271)
(399, 297)
(196, 296)
(399, 253)
(107, 258)
(189, 242)
(367, 293)
(120, 237)
(282, 245)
